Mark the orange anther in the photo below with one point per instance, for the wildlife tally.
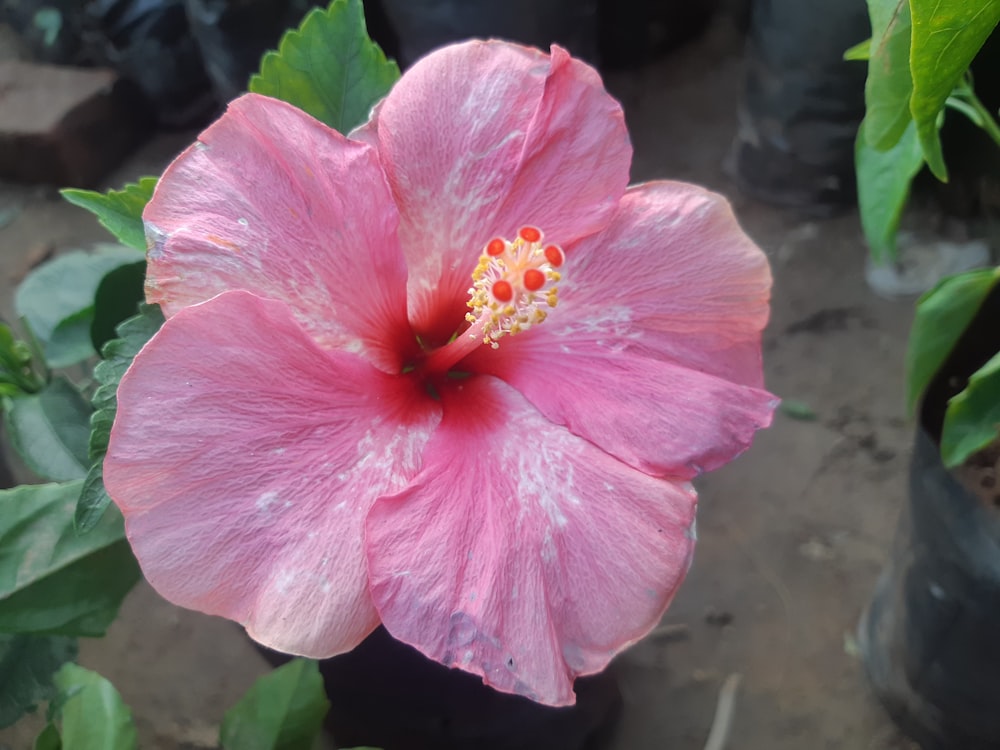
(555, 255)
(533, 279)
(530, 234)
(502, 291)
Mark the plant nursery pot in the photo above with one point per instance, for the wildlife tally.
(802, 104)
(423, 25)
(386, 694)
(930, 637)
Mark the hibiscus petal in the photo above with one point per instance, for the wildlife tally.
(654, 350)
(481, 138)
(271, 201)
(244, 459)
(521, 552)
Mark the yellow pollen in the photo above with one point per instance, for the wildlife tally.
(501, 298)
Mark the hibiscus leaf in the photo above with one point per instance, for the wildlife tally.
(119, 211)
(329, 67)
(118, 355)
(283, 710)
(94, 716)
(888, 88)
(946, 38)
(942, 316)
(972, 420)
(56, 300)
(117, 298)
(860, 51)
(884, 179)
(54, 581)
(50, 430)
(48, 739)
(28, 664)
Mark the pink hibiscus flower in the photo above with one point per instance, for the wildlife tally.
(333, 430)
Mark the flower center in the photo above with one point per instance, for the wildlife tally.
(514, 285)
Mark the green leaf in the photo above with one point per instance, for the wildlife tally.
(284, 710)
(884, 179)
(119, 211)
(942, 316)
(887, 90)
(60, 294)
(48, 739)
(860, 51)
(118, 355)
(117, 299)
(94, 498)
(17, 376)
(972, 420)
(329, 67)
(28, 664)
(70, 341)
(94, 717)
(50, 430)
(946, 37)
(53, 580)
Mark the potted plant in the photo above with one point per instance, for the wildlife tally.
(928, 634)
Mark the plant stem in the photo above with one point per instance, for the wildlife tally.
(966, 95)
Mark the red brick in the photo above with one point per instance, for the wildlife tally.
(65, 126)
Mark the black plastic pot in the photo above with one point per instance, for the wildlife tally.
(931, 634)
(930, 637)
(422, 25)
(385, 694)
(802, 104)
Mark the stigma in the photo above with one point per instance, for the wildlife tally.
(514, 285)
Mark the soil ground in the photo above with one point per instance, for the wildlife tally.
(792, 534)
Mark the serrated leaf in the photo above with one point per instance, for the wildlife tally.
(888, 88)
(972, 420)
(94, 716)
(884, 179)
(284, 710)
(942, 315)
(119, 211)
(50, 431)
(118, 355)
(61, 292)
(53, 580)
(946, 38)
(28, 664)
(329, 67)
(116, 299)
(94, 498)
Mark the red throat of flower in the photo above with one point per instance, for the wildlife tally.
(514, 286)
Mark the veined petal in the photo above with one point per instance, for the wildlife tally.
(654, 350)
(481, 138)
(244, 458)
(521, 552)
(271, 201)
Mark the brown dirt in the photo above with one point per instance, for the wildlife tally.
(979, 475)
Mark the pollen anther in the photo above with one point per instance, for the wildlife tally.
(533, 279)
(514, 284)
